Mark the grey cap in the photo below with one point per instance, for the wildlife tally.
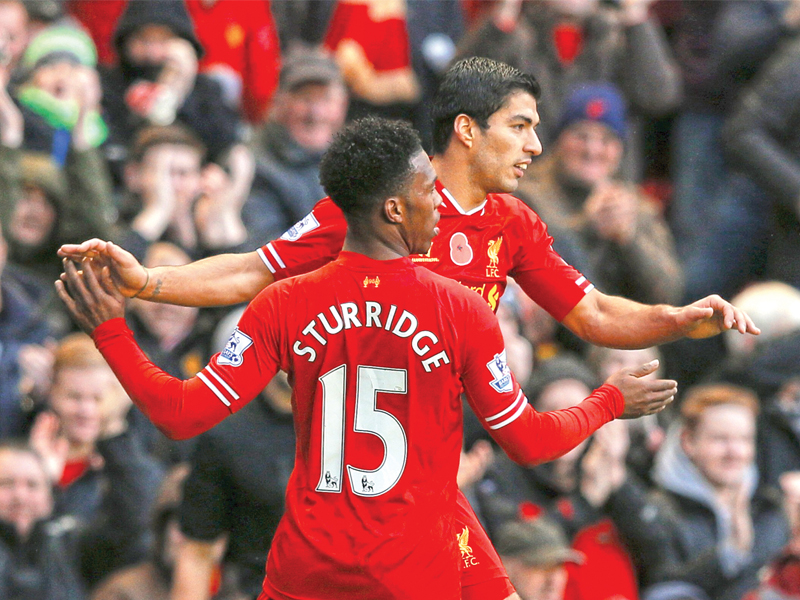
(303, 66)
(539, 542)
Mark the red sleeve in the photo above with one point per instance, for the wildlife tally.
(262, 62)
(311, 243)
(527, 436)
(183, 409)
(539, 270)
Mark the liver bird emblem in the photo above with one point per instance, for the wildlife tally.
(494, 251)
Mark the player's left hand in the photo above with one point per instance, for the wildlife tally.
(711, 316)
(91, 298)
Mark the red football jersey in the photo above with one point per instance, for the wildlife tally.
(500, 238)
(378, 353)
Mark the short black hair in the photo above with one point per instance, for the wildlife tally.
(477, 87)
(368, 161)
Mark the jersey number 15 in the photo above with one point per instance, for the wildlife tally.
(368, 419)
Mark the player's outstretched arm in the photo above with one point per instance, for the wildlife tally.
(617, 322)
(215, 281)
(180, 409)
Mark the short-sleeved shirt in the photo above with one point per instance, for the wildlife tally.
(378, 353)
(480, 249)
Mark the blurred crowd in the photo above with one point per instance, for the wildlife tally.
(183, 129)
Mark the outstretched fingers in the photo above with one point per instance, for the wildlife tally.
(87, 249)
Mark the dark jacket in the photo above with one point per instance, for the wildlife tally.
(113, 506)
(762, 139)
(679, 534)
(20, 324)
(285, 186)
(43, 567)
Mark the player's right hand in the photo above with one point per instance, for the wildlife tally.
(128, 273)
(643, 395)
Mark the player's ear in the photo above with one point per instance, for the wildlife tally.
(464, 129)
(394, 209)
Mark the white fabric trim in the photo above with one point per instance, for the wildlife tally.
(266, 262)
(512, 417)
(458, 206)
(233, 394)
(213, 388)
(275, 254)
(507, 410)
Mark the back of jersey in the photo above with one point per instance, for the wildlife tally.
(373, 354)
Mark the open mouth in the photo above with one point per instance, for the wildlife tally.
(521, 167)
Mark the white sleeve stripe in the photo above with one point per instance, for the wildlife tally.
(213, 388)
(275, 254)
(266, 262)
(512, 417)
(223, 383)
(588, 288)
(580, 280)
(507, 410)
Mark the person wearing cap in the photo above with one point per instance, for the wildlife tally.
(157, 83)
(309, 108)
(60, 93)
(535, 554)
(602, 223)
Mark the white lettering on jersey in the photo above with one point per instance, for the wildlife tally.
(296, 231)
(234, 350)
(498, 367)
(346, 316)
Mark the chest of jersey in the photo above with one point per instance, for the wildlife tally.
(474, 249)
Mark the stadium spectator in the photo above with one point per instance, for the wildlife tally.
(602, 225)
(369, 41)
(24, 369)
(719, 217)
(763, 144)
(242, 51)
(157, 83)
(13, 33)
(564, 44)
(172, 197)
(779, 580)
(150, 579)
(94, 459)
(234, 496)
(710, 523)
(60, 93)
(309, 108)
(535, 553)
(37, 552)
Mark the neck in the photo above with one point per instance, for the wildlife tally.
(374, 241)
(79, 451)
(374, 248)
(456, 175)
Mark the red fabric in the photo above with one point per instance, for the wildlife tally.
(73, 470)
(423, 337)
(568, 40)
(607, 571)
(482, 571)
(100, 20)
(242, 35)
(504, 238)
(385, 42)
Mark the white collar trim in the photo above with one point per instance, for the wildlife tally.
(458, 206)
